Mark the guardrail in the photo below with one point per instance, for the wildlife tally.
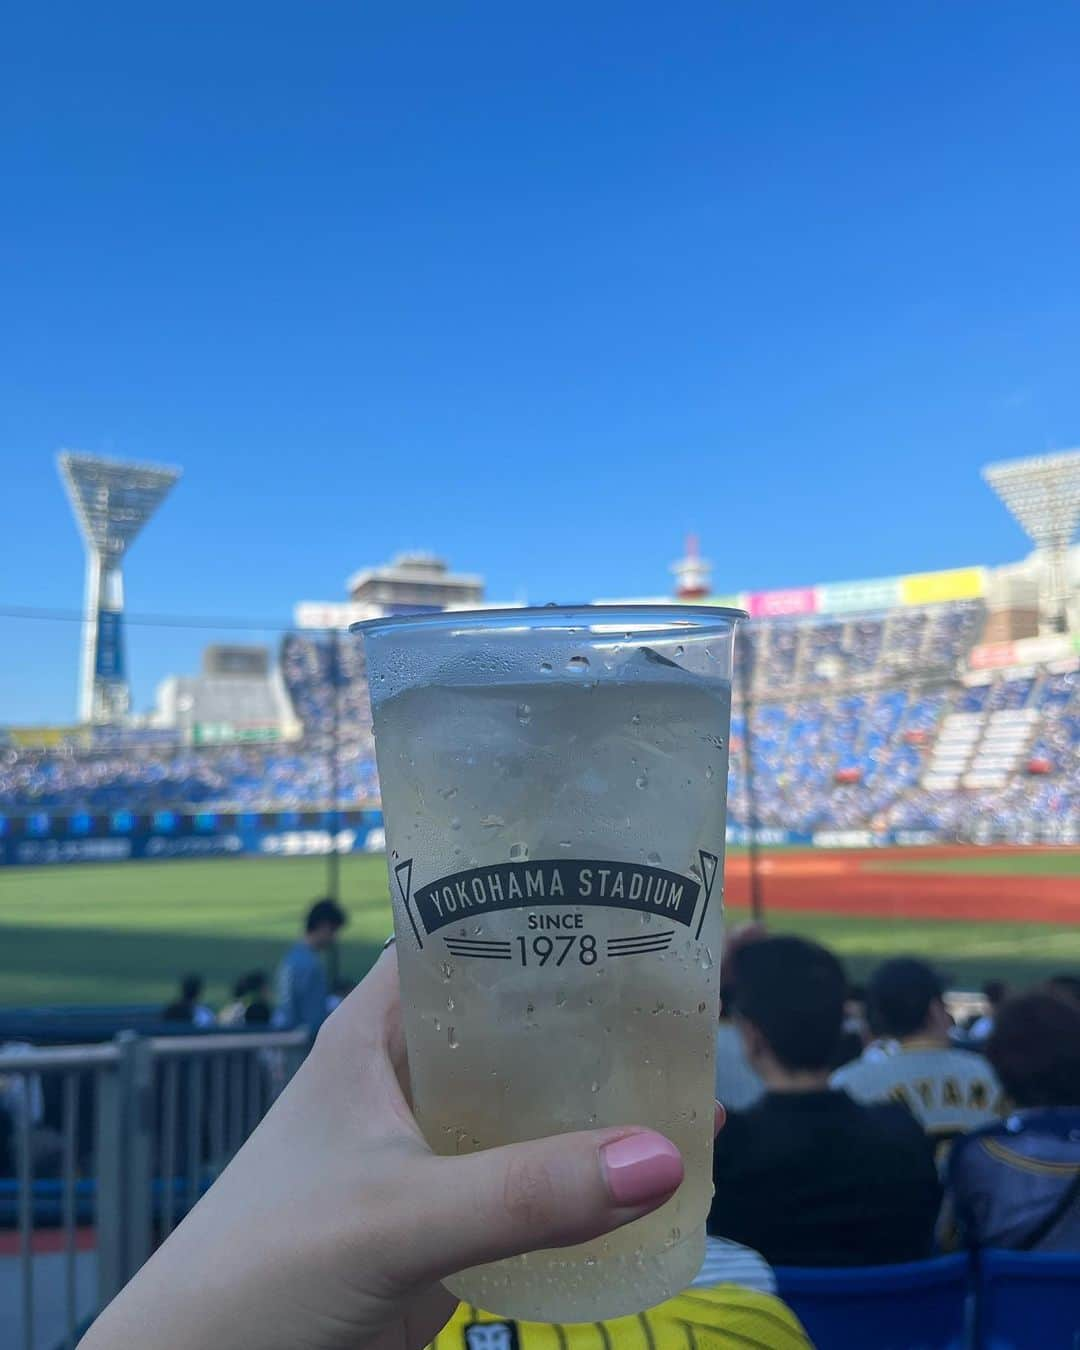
(145, 1126)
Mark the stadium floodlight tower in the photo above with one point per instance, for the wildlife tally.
(112, 501)
(1043, 493)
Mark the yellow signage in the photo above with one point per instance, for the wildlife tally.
(932, 588)
(46, 738)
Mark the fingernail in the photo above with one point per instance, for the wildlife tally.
(719, 1119)
(641, 1167)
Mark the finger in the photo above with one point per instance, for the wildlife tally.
(550, 1192)
(719, 1119)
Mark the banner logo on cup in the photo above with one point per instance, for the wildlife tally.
(582, 882)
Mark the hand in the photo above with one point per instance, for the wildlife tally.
(333, 1225)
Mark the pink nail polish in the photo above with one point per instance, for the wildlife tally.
(641, 1167)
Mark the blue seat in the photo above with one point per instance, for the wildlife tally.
(921, 1305)
(1029, 1300)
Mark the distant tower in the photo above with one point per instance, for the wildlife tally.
(112, 501)
(693, 572)
(1043, 494)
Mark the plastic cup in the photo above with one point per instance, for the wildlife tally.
(554, 785)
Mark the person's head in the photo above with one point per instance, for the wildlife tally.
(191, 987)
(905, 998)
(325, 919)
(735, 939)
(789, 1008)
(257, 985)
(995, 992)
(1035, 1049)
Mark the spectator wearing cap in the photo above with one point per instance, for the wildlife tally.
(1017, 1184)
(808, 1176)
(948, 1090)
(301, 986)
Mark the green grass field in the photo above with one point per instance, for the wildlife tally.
(122, 934)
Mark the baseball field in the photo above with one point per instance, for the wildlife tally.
(123, 934)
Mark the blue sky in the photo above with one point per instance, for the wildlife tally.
(539, 286)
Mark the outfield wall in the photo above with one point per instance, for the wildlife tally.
(53, 837)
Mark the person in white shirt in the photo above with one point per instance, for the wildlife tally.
(949, 1090)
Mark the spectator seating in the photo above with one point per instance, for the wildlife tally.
(921, 1305)
(844, 722)
(1028, 1300)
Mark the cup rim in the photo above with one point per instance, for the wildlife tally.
(534, 615)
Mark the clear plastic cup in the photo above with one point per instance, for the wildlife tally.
(554, 785)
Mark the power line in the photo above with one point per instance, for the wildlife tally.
(35, 612)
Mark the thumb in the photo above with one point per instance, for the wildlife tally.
(551, 1192)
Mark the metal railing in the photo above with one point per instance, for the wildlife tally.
(130, 1133)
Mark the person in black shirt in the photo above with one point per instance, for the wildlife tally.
(809, 1177)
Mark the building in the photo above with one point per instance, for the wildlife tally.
(411, 583)
(240, 695)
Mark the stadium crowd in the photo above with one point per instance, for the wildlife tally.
(841, 728)
(869, 1130)
(864, 1127)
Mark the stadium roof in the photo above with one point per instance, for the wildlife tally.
(113, 499)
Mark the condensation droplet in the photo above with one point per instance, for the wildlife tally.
(450, 1005)
(653, 858)
(455, 824)
(594, 1086)
(564, 843)
(545, 666)
(492, 823)
(447, 970)
(577, 665)
(448, 792)
(451, 1038)
(478, 928)
(529, 1009)
(635, 721)
(438, 1024)
(707, 960)
(524, 713)
(560, 999)
(679, 650)
(519, 852)
(642, 780)
(708, 773)
(702, 1006)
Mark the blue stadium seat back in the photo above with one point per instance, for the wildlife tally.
(1029, 1300)
(921, 1305)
